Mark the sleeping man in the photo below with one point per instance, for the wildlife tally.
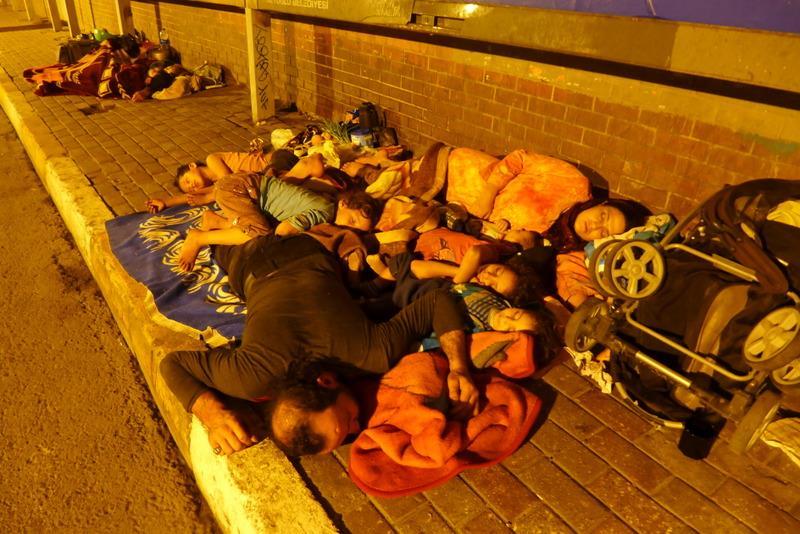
(299, 312)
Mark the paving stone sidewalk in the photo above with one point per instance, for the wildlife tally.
(592, 466)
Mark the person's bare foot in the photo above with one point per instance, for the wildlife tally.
(309, 166)
(212, 221)
(376, 264)
(190, 250)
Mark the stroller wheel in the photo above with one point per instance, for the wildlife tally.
(752, 425)
(787, 378)
(636, 269)
(600, 263)
(775, 341)
(579, 332)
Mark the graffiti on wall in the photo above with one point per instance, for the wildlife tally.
(262, 52)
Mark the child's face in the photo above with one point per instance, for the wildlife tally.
(352, 218)
(498, 277)
(192, 180)
(598, 222)
(513, 320)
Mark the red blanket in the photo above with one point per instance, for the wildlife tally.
(410, 445)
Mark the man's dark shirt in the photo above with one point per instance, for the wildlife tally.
(297, 305)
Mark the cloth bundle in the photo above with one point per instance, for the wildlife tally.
(410, 445)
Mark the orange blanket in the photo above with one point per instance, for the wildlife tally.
(410, 445)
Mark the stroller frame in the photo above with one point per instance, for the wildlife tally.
(619, 268)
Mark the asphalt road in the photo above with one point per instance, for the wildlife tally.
(82, 446)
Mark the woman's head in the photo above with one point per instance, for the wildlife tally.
(595, 219)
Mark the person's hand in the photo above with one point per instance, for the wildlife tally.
(138, 96)
(285, 228)
(502, 225)
(155, 205)
(229, 430)
(463, 394)
(356, 261)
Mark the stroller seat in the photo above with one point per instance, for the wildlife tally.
(719, 312)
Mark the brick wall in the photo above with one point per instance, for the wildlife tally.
(199, 34)
(104, 13)
(653, 152)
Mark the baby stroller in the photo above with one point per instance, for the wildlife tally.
(708, 319)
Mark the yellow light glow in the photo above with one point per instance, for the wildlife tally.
(469, 9)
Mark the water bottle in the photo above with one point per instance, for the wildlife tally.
(163, 37)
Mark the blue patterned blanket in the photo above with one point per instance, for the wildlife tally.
(148, 247)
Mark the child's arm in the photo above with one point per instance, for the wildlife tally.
(433, 269)
(154, 205)
(217, 166)
(476, 256)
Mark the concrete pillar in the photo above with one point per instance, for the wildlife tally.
(29, 11)
(72, 18)
(124, 16)
(259, 55)
(55, 17)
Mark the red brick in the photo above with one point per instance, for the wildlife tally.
(505, 494)
(398, 509)
(508, 129)
(511, 98)
(572, 98)
(539, 519)
(547, 108)
(563, 129)
(618, 111)
(614, 414)
(680, 206)
(748, 507)
(424, 519)
(529, 120)
(695, 509)
(634, 507)
(391, 78)
(566, 381)
(469, 72)
(485, 523)
(587, 119)
(501, 80)
(606, 143)
(495, 109)
(582, 153)
(670, 122)
(415, 59)
(574, 419)
(655, 199)
(477, 119)
(579, 509)
(738, 162)
(774, 486)
(523, 458)
(411, 84)
(660, 179)
(717, 135)
(576, 460)
(479, 89)
(640, 135)
(628, 460)
(541, 142)
(464, 99)
(456, 502)
(441, 65)
(451, 82)
(537, 89)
